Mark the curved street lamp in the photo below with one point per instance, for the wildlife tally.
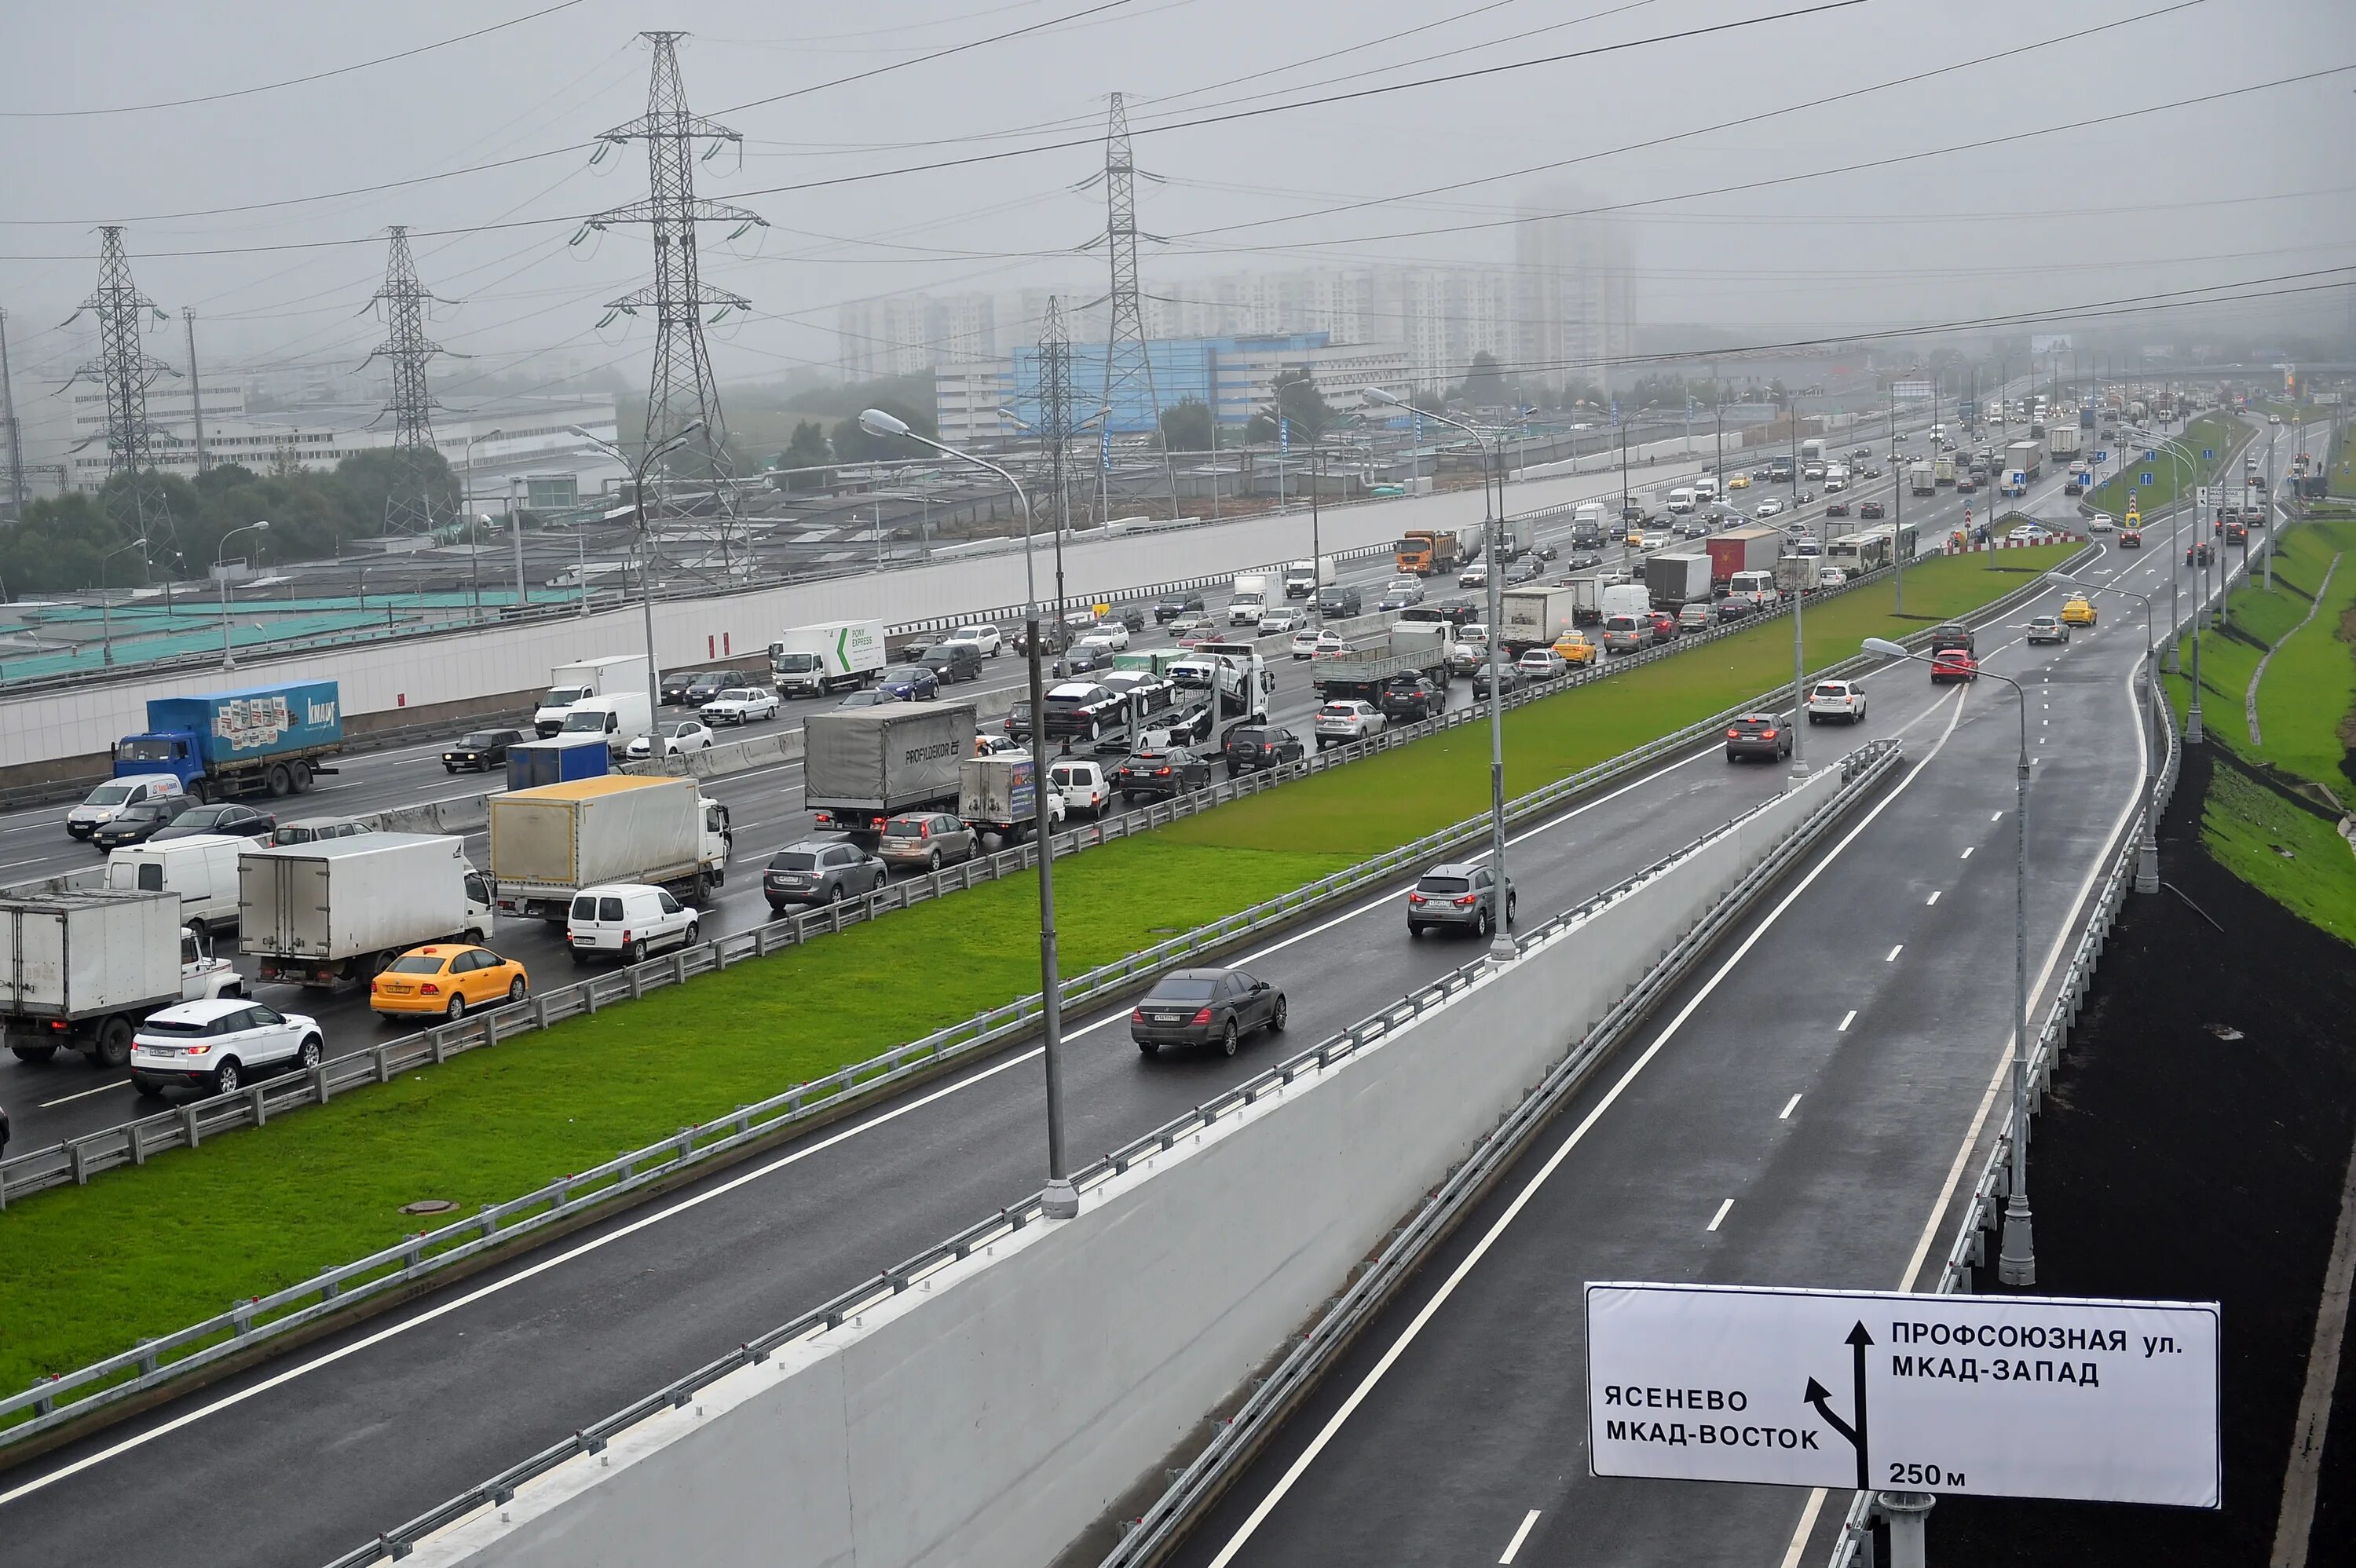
(220, 580)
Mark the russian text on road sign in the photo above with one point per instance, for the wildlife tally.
(2002, 1396)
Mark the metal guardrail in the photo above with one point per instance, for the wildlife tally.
(500, 1488)
(1985, 1211)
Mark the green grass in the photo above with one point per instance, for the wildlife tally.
(2210, 431)
(2293, 857)
(87, 1271)
(2341, 463)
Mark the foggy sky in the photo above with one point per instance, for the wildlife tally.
(1959, 235)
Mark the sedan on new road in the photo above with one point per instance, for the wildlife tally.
(740, 705)
(680, 736)
(443, 980)
(226, 816)
(1206, 1007)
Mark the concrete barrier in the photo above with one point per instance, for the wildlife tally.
(991, 1409)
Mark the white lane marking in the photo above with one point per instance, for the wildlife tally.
(1576, 1136)
(86, 1094)
(1719, 1218)
(470, 1297)
(1932, 899)
(1847, 1018)
(1529, 1520)
(1790, 1106)
(1891, 956)
(1967, 852)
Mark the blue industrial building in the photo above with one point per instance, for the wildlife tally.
(1221, 372)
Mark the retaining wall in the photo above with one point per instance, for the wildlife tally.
(988, 1413)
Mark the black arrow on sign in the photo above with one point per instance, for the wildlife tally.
(1817, 1394)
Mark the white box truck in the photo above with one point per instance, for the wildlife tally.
(1248, 598)
(569, 683)
(1920, 477)
(1302, 578)
(81, 971)
(833, 656)
(995, 795)
(1535, 616)
(201, 871)
(336, 912)
(549, 843)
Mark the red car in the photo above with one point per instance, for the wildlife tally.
(2131, 538)
(1871, 510)
(1953, 664)
(1665, 626)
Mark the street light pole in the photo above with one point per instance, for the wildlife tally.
(2147, 852)
(1501, 944)
(2017, 1257)
(1061, 1200)
(646, 563)
(220, 578)
(105, 610)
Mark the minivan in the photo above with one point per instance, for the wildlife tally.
(627, 921)
(202, 870)
(1681, 500)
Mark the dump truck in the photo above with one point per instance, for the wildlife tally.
(81, 971)
(257, 739)
(1423, 551)
(335, 912)
(861, 767)
(1742, 550)
(547, 844)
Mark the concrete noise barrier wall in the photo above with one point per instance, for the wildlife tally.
(988, 1413)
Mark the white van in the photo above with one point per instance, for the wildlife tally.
(1758, 587)
(1681, 500)
(1706, 487)
(202, 869)
(111, 799)
(627, 921)
(1836, 477)
(621, 716)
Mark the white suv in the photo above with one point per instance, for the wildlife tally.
(1338, 723)
(982, 636)
(214, 1044)
(628, 919)
(1842, 699)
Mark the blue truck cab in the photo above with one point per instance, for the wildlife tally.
(263, 739)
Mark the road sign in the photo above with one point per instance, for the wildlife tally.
(2145, 477)
(1910, 389)
(2101, 457)
(2208, 455)
(1998, 1396)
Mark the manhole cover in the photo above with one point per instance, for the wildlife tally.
(429, 1206)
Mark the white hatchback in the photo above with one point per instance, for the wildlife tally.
(216, 1044)
(627, 921)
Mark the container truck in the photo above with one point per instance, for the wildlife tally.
(1922, 478)
(1535, 616)
(223, 743)
(1423, 551)
(2024, 460)
(2063, 441)
(1812, 452)
(1302, 578)
(1246, 600)
(860, 766)
(559, 758)
(549, 843)
(1588, 521)
(569, 683)
(1742, 550)
(995, 795)
(833, 656)
(1676, 581)
(81, 971)
(1586, 600)
(1942, 469)
(336, 912)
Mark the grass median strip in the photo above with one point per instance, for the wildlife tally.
(85, 1272)
(2210, 432)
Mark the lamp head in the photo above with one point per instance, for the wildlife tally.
(262, 527)
(1885, 646)
(875, 422)
(1382, 395)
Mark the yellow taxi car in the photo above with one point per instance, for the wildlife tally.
(1738, 481)
(445, 978)
(1575, 648)
(2078, 611)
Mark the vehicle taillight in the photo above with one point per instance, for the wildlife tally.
(1466, 901)
(1202, 1017)
(1137, 1015)
(1734, 735)
(1415, 898)
(1161, 772)
(429, 989)
(923, 830)
(1766, 734)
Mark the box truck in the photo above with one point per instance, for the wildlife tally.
(223, 743)
(1922, 478)
(1246, 600)
(336, 912)
(1535, 616)
(569, 683)
(1302, 578)
(2063, 441)
(833, 656)
(861, 767)
(81, 971)
(1742, 550)
(1942, 469)
(549, 843)
(559, 758)
(995, 795)
(1676, 580)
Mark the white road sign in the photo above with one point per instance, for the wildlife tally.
(2001, 1396)
(1910, 389)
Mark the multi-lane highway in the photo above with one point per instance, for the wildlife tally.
(1822, 1081)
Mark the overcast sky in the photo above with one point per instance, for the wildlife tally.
(2149, 203)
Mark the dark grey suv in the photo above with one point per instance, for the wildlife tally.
(820, 871)
(1462, 896)
(1204, 1007)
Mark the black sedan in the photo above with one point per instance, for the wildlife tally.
(227, 817)
(1160, 772)
(138, 823)
(1734, 607)
(1168, 609)
(1082, 657)
(480, 750)
(909, 682)
(1509, 678)
(1206, 1007)
(1251, 747)
(702, 689)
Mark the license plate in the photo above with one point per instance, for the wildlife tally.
(396, 988)
(584, 942)
(1168, 1017)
